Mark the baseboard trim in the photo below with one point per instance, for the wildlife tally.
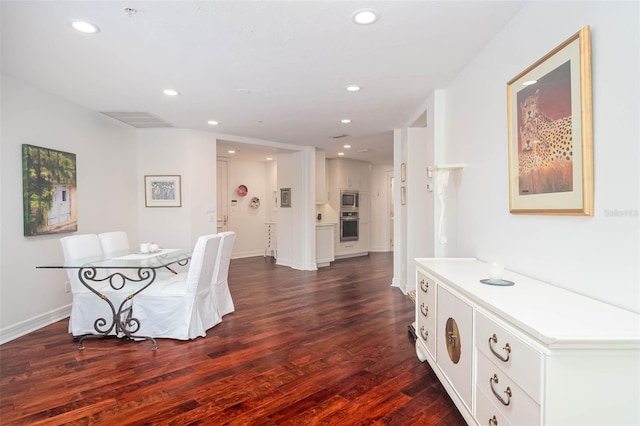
(22, 328)
(347, 256)
(400, 284)
(244, 254)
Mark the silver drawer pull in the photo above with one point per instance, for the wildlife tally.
(424, 286)
(424, 333)
(424, 310)
(493, 421)
(493, 380)
(506, 348)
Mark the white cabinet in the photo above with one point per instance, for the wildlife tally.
(531, 353)
(454, 347)
(349, 174)
(324, 244)
(345, 174)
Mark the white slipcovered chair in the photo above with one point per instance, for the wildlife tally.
(117, 242)
(220, 281)
(183, 306)
(86, 306)
(114, 242)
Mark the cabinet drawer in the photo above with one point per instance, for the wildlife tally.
(426, 311)
(511, 354)
(513, 402)
(487, 413)
(426, 329)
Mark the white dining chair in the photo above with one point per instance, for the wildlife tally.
(220, 281)
(117, 242)
(183, 306)
(114, 242)
(86, 306)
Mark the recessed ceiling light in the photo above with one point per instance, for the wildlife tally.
(85, 27)
(365, 16)
(213, 122)
(341, 153)
(529, 83)
(345, 121)
(170, 92)
(352, 88)
(231, 151)
(347, 146)
(269, 158)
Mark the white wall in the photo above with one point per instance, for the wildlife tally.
(271, 188)
(419, 202)
(296, 225)
(248, 223)
(597, 256)
(192, 155)
(106, 165)
(380, 208)
(400, 236)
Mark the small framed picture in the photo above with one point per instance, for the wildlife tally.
(162, 191)
(285, 197)
(403, 195)
(403, 172)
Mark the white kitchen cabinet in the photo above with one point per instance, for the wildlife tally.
(535, 353)
(345, 174)
(324, 244)
(349, 174)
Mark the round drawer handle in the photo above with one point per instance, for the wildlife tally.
(424, 310)
(493, 421)
(424, 333)
(506, 348)
(424, 286)
(493, 380)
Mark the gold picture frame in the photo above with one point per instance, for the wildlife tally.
(162, 191)
(403, 172)
(403, 195)
(550, 132)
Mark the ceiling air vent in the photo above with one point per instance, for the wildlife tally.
(140, 120)
(338, 137)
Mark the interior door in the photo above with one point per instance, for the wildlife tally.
(222, 191)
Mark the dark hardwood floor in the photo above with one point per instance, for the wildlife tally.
(302, 348)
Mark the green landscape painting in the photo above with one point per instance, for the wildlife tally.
(49, 191)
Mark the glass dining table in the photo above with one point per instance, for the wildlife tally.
(125, 275)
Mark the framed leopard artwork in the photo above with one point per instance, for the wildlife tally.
(550, 132)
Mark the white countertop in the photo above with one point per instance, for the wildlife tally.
(548, 313)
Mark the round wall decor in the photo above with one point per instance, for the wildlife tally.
(242, 190)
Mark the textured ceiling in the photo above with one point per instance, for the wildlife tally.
(270, 70)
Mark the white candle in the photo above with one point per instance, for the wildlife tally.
(495, 271)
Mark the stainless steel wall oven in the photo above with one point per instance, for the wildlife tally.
(349, 226)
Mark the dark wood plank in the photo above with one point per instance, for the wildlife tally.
(302, 348)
